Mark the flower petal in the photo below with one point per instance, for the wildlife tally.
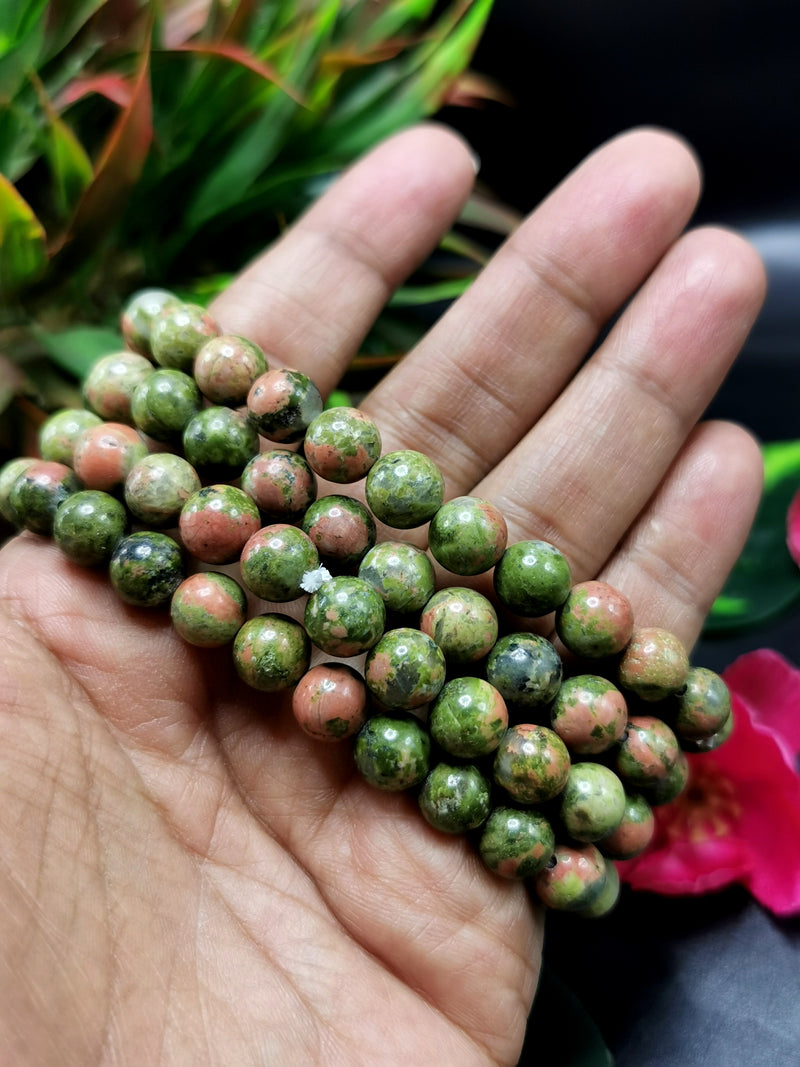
(770, 687)
(793, 528)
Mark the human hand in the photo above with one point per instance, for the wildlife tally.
(188, 878)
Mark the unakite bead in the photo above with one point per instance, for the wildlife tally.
(708, 744)
(573, 879)
(647, 752)
(158, 486)
(59, 433)
(595, 620)
(531, 763)
(226, 366)
(88, 525)
(588, 713)
(525, 668)
(111, 382)
(219, 442)
(665, 790)
(516, 843)
(342, 444)
(281, 483)
(345, 617)
(271, 652)
(392, 753)
(532, 578)
(37, 493)
(9, 472)
(146, 568)
(467, 535)
(468, 718)
(404, 489)
(208, 609)
(405, 669)
(608, 897)
(105, 454)
(704, 706)
(462, 622)
(163, 404)
(282, 403)
(330, 701)
(654, 665)
(401, 574)
(455, 799)
(274, 561)
(216, 522)
(592, 803)
(341, 528)
(139, 314)
(635, 831)
(178, 333)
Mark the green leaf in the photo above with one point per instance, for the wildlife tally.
(76, 350)
(21, 38)
(414, 295)
(23, 257)
(765, 581)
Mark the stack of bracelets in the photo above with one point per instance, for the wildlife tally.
(552, 767)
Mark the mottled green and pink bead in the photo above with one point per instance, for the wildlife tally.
(592, 803)
(178, 332)
(531, 763)
(146, 568)
(274, 561)
(462, 622)
(455, 798)
(89, 525)
(219, 442)
(525, 668)
(329, 702)
(393, 753)
(216, 522)
(281, 404)
(226, 366)
(271, 652)
(158, 486)
(140, 312)
(111, 382)
(9, 472)
(405, 669)
(532, 578)
(589, 713)
(467, 535)
(635, 830)
(468, 718)
(342, 444)
(516, 842)
(401, 574)
(38, 491)
(105, 454)
(595, 621)
(341, 528)
(647, 752)
(60, 431)
(574, 878)
(703, 707)
(164, 403)
(654, 664)
(404, 489)
(208, 609)
(345, 617)
(281, 483)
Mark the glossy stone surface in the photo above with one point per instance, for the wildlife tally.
(105, 454)
(330, 701)
(177, 334)
(111, 382)
(164, 403)
(216, 522)
(665, 790)
(60, 431)
(608, 897)
(462, 622)
(282, 403)
(9, 472)
(708, 744)
(146, 568)
(654, 665)
(647, 751)
(574, 878)
(404, 489)
(281, 483)
(468, 718)
(219, 442)
(274, 560)
(405, 669)
(401, 574)
(592, 803)
(345, 617)
(595, 620)
(88, 526)
(341, 528)
(208, 609)
(532, 578)
(392, 753)
(531, 763)
(525, 668)
(455, 799)
(158, 486)
(226, 366)
(516, 843)
(703, 708)
(342, 444)
(271, 652)
(139, 314)
(38, 491)
(589, 714)
(635, 831)
(467, 535)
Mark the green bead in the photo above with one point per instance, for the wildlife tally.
(111, 382)
(468, 718)
(163, 404)
(37, 493)
(531, 763)
(635, 831)
(404, 489)
(654, 664)
(271, 652)
(704, 706)
(345, 617)
(219, 442)
(146, 568)
(401, 574)
(281, 483)
(89, 525)
(455, 799)
(59, 433)
(593, 802)
(178, 333)
(225, 368)
(405, 669)
(647, 752)
(274, 561)
(341, 528)
(139, 314)
(462, 622)
(516, 843)
(282, 404)
(708, 744)
(208, 609)
(574, 878)
(595, 621)
(608, 897)
(525, 668)
(342, 444)
(9, 473)
(392, 753)
(588, 713)
(665, 790)
(532, 578)
(467, 535)
(158, 486)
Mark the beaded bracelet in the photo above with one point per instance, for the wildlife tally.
(551, 766)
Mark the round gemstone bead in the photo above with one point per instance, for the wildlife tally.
(589, 714)
(708, 744)
(462, 622)
(516, 843)
(88, 525)
(282, 403)
(271, 652)
(208, 609)
(146, 568)
(665, 790)
(593, 802)
(111, 382)
(574, 878)
(607, 899)
(455, 799)
(345, 617)
(9, 472)
(219, 442)
(467, 535)
(405, 669)
(341, 528)
(654, 665)
(330, 701)
(274, 560)
(139, 314)
(531, 763)
(105, 454)
(401, 574)
(532, 578)
(647, 752)
(404, 489)
(59, 433)
(525, 668)
(226, 366)
(37, 493)
(635, 831)
(595, 620)
(393, 753)
(468, 718)
(342, 444)
(178, 333)
(163, 404)
(158, 486)
(704, 706)
(216, 522)
(281, 483)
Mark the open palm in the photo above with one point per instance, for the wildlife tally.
(185, 877)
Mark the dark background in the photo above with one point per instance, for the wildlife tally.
(712, 981)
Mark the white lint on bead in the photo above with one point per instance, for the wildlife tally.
(312, 580)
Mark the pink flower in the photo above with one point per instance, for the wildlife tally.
(793, 528)
(738, 820)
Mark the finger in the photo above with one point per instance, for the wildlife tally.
(497, 360)
(311, 298)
